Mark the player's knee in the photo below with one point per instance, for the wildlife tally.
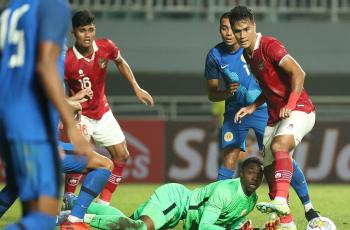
(279, 145)
(124, 156)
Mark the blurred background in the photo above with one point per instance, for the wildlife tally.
(166, 41)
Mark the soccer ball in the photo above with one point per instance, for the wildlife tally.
(321, 223)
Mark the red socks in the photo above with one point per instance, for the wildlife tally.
(283, 173)
(113, 181)
(71, 182)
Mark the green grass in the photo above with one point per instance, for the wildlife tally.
(332, 200)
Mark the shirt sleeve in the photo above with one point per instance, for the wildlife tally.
(53, 21)
(213, 209)
(114, 53)
(212, 70)
(276, 51)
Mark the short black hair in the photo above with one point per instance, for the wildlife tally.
(224, 15)
(254, 160)
(82, 18)
(241, 13)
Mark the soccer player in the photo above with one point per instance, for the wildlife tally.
(229, 54)
(85, 67)
(219, 205)
(31, 94)
(226, 60)
(291, 111)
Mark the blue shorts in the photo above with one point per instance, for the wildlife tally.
(233, 135)
(72, 163)
(32, 168)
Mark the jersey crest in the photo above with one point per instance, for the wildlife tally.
(102, 63)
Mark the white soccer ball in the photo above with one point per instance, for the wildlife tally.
(321, 223)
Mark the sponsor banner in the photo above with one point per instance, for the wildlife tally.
(192, 152)
(324, 154)
(145, 140)
(193, 155)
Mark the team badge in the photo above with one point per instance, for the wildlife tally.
(228, 136)
(260, 65)
(102, 63)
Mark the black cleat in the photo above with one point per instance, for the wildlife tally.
(312, 214)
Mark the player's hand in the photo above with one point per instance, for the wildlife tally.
(247, 225)
(233, 87)
(84, 95)
(243, 112)
(285, 112)
(144, 97)
(81, 145)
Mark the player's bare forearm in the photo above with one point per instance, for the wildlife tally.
(215, 94)
(126, 72)
(259, 100)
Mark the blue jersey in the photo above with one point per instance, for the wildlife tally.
(231, 67)
(25, 110)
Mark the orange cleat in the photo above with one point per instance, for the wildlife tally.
(74, 226)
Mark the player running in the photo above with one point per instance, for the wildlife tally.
(85, 67)
(219, 205)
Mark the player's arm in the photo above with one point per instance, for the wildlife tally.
(47, 68)
(216, 205)
(214, 94)
(297, 75)
(125, 70)
(250, 108)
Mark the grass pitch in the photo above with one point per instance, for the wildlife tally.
(333, 201)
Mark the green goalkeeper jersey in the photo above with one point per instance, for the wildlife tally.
(219, 205)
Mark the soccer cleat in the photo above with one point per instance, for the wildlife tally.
(276, 206)
(312, 214)
(74, 226)
(62, 217)
(289, 226)
(69, 200)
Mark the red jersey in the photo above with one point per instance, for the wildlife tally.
(81, 72)
(274, 82)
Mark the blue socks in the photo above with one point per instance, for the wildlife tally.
(225, 173)
(7, 197)
(299, 184)
(34, 220)
(92, 186)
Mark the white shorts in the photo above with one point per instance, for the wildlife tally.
(297, 124)
(106, 131)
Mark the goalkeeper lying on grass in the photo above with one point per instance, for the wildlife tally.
(219, 205)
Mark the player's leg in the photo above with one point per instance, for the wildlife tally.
(287, 221)
(288, 134)
(35, 168)
(99, 171)
(71, 182)
(232, 140)
(109, 134)
(72, 179)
